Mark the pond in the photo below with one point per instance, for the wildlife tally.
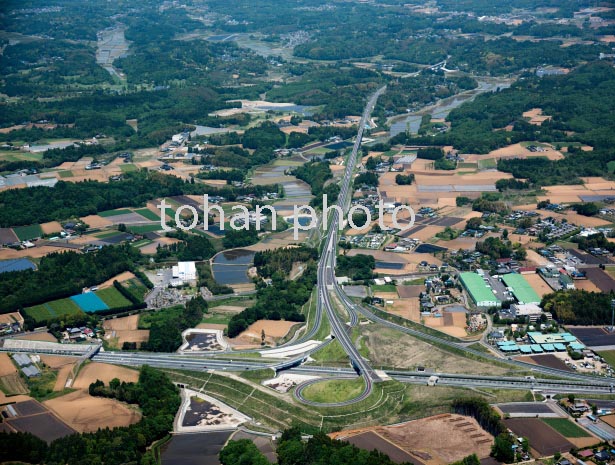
(231, 267)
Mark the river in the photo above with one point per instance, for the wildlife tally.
(412, 121)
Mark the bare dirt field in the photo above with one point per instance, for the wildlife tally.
(137, 335)
(125, 323)
(125, 276)
(51, 227)
(464, 243)
(273, 330)
(586, 285)
(388, 348)
(92, 371)
(518, 151)
(34, 252)
(536, 258)
(6, 365)
(410, 309)
(9, 318)
(57, 361)
(436, 440)
(95, 221)
(535, 116)
(538, 284)
(120, 330)
(39, 337)
(86, 414)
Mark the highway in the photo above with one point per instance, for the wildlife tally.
(326, 266)
(179, 362)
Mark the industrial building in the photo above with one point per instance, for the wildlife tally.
(521, 289)
(183, 272)
(481, 294)
(532, 311)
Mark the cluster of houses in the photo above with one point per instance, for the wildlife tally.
(79, 334)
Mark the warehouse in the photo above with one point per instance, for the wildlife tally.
(479, 292)
(521, 289)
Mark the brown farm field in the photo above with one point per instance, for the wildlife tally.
(92, 371)
(538, 284)
(436, 440)
(273, 330)
(125, 323)
(86, 414)
(39, 337)
(544, 439)
(120, 330)
(6, 365)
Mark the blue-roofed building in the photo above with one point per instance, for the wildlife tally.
(510, 348)
(559, 347)
(548, 347)
(536, 348)
(525, 349)
(577, 346)
(506, 343)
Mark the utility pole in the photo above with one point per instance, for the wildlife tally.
(612, 315)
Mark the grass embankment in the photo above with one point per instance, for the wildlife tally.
(334, 390)
(390, 402)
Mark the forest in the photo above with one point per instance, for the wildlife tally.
(578, 307)
(155, 395)
(317, 174)
(360, 267)
(282, 260)
(62, 274)
(167, 325)
(193, 247)
(283, 298)
(68, 200)
(320, 449)
(579, 106)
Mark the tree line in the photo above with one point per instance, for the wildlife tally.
(158, 400)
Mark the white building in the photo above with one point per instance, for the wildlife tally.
(532, 311)
(184, 271)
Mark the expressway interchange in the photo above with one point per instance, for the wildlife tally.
(327, 286)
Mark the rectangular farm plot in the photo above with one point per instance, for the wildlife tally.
(148, 214)
(53, 309)
(33, 417)
(26, 233)
(544, 439)
(108, 213)
(89, 302)
(113, 298)
(566, 428)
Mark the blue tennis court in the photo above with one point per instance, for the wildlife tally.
(89, 302)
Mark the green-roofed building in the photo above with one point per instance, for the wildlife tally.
(479, 292)
(521, 289)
